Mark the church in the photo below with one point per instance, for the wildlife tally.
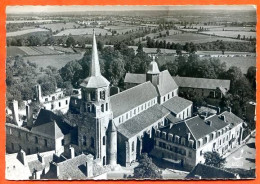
(115, 129)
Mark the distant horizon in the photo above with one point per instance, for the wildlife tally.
(117, 8)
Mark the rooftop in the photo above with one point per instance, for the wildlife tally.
(50, 124)
(203, 83)
(131, 98)
(177, 104)
(143, 120)
(166, 83)
(135, 78)
(210, 172)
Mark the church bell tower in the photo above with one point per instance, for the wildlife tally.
(96, 105)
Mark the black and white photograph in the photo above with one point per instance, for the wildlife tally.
(130, 92)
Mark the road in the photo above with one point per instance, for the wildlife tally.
(244, 157)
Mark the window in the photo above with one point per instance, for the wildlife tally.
(134, 111)
(19, 134)
(62, 142)
(10, 131)
(164, 99)
(168, 96)
(36, 140)
(92, 143)
(28, 151)
(104, 140)
(46, 99)
(59, 104)
(119, 119)
(104, 160)
(201, 153)
(133, 146)
(52, 106)
(93, 95)
(190, 154)
(102, 107)
(127, 116)
(130, 114)
(172, 93)
(84, 141)
(102, 95)
(45, 142)
(106, 106)
(66, 102)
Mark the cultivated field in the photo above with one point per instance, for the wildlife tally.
(31, 51)
(59, 26)
(27, 31)
(156, 35)
(122, 29)
(57, 61)
(195, 38)
(83, 31)
(25, 21)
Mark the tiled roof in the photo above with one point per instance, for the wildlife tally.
(35, 164)
(135, 78)
(199, 128)
(177, 104)
(131, 98)
(173, 119)
(143, 120)
(50, 124)
(202, 83)
(15, 170)
(210, 172)
(95, 82)
(166, 83)
(232, 118)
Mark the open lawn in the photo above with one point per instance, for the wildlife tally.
(195, 38)
(57, 61)
(242, 62)
(83, 31)
(232, 34)
(27, 31)
(59, 26)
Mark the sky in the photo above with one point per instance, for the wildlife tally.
(53, 9)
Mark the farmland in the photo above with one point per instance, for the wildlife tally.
(57, 61)
(59, 26)
(31, 51)
(83, 31)
(122, 29)
(233, 34)
(195, 38)
(24, 32)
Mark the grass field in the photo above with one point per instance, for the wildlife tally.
(122, 29)
(57, 61)
(232, 34)
(27, 31)
(195, 38)
(83, 31)
(59, 26)
(156, 35)
(242, 62)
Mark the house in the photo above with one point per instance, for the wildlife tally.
(212, 88)
(184, 142)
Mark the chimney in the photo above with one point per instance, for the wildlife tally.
(29, 116)
(38, 93)
(15, 112)
(229, 109)
(40, 158)
(209, 122)
(89, 168)
(21, 156)
(55, 168)
(223, 117)
(188, 136)
(72, 152)
(218, 110)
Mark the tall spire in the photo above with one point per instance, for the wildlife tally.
(95, 68)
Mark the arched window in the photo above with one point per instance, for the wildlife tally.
(104, 160)
(102, 107)
(36, 140)
(92, 142)
(104, 140)
(59, 104)
(53, 98)
(133, 146)
(84, 141)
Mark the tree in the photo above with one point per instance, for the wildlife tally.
(214, 159)
(70, 41)
(146, 168)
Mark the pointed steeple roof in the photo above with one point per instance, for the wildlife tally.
(95, 68)
(95, 79)
(111, 127)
